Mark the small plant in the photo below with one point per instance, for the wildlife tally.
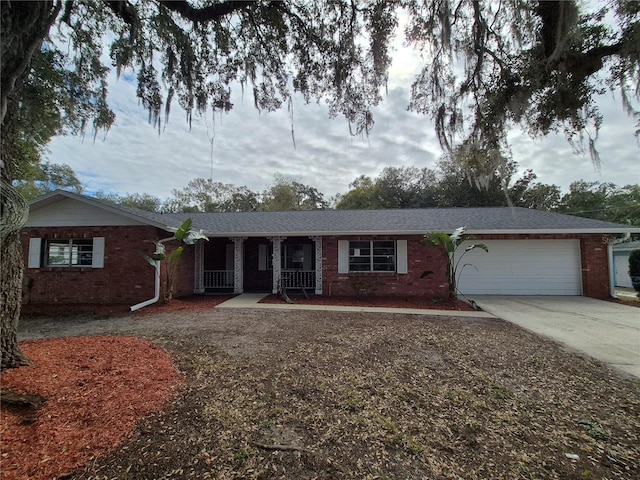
(183, 235)
(450, 244)
(634, 269)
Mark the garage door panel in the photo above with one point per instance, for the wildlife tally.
(522, 267)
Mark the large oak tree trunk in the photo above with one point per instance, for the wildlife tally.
(24, 26)
(14, 214)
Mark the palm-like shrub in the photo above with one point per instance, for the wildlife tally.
(450, 244)
(634, 269)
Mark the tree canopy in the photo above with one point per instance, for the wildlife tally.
(41, 178)
(448, 186)
(487, 65)
(603, 201)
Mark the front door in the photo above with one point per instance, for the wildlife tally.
(258, 271)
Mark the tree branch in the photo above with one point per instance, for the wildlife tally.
(584, 64)
(205, 14)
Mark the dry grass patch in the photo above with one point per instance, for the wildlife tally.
(336, 395)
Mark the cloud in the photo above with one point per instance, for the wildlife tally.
(247, 147)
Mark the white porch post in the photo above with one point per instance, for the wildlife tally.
(318, 267)
(198, 271)
(277, 266)
(238, 264)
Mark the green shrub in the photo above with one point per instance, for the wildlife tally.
(634, 263)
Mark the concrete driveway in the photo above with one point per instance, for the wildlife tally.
(604, 330)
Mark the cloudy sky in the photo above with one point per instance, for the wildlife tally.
(245, 147)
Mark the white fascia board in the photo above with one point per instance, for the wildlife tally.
(554, 232)
(419, 232)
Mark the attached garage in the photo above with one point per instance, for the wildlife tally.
(522, 267)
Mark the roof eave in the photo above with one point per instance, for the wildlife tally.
(603, 231)
(47, 200)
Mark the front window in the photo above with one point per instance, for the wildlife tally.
(293, 256)
(372, 256)
(69, 253)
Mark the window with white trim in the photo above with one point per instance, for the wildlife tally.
(69, 253)
(83, 252)
(372, 256)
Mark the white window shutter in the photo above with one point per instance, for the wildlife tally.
(402, 265)
(262, 256)
(35, 252)
(343, 256)
(98, 253)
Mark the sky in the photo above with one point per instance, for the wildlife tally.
(247, 148)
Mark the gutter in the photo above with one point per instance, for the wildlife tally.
(612, 273)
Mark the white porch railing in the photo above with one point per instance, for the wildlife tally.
(299, 278)
(218, 279)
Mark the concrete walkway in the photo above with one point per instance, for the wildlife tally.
(250, 300)
(604, 330)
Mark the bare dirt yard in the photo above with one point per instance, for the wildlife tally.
(270, 394)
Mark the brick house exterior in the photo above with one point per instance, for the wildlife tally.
(327, 252)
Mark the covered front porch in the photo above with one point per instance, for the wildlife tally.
(258, 264)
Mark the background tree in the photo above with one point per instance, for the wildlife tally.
(395, 187)
(526, 62)
(289, 194)
(361, 196)
(46, 177)
(540, 196)
(142, 201)
(466, 179)
(450, 185)
(205, 195)
(603, 201)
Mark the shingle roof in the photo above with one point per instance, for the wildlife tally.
(409, 221)
(344, 222)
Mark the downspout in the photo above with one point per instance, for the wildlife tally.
(156, 297)
(612, 272)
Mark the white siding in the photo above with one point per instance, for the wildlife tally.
(621, 263)
(522, 267)
(72, 213)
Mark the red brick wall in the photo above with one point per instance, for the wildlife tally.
(595, 266)
(419, 257)
(125, 279)
(593, 253)
(128, 279)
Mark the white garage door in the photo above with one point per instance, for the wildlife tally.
(522, 267)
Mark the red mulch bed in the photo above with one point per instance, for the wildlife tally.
(96, 389)
(191, 302)
(361, 301)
